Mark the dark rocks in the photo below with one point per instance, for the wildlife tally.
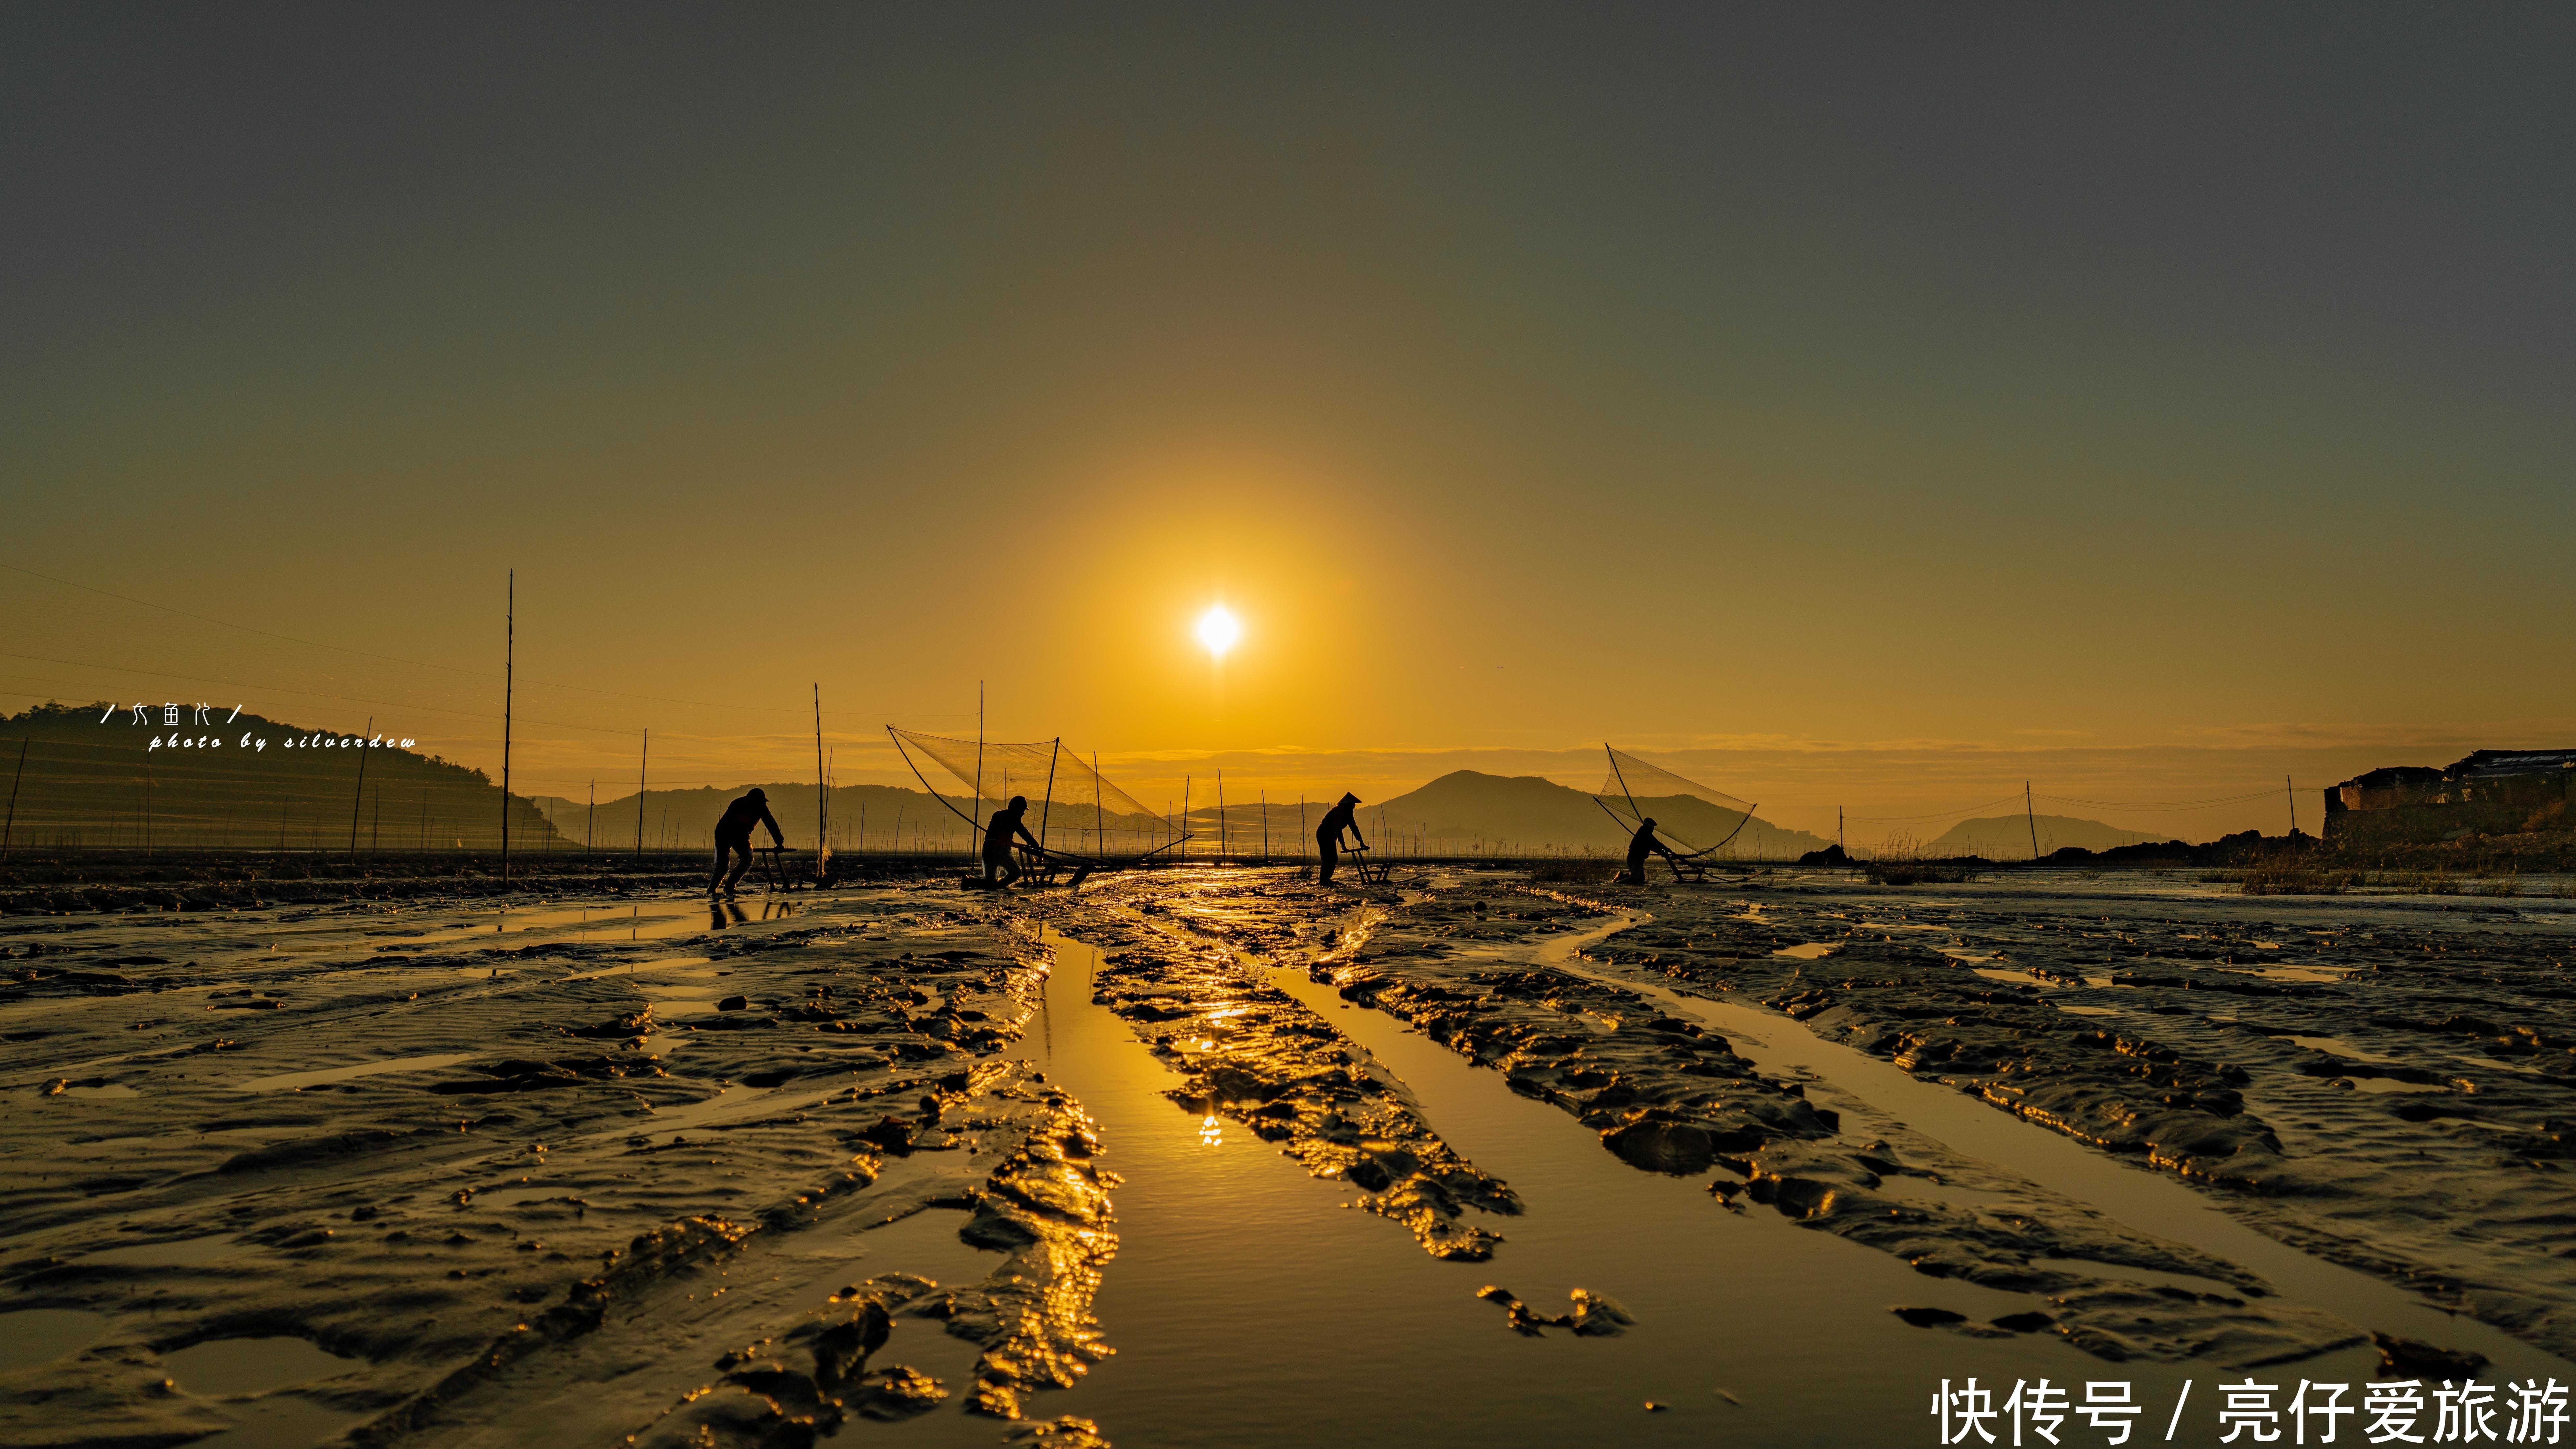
(1671, 1147)
(898, 1393)
(2411, 1358)
(1593, 1315)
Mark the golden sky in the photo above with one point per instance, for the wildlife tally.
(1850, 411)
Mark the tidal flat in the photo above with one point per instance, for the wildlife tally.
(1216, 1156)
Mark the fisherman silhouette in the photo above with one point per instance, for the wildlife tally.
(733, 833)
(1328, 837)
(1640, 845)
(999, 868)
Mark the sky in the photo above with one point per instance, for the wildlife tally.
(1860, 408)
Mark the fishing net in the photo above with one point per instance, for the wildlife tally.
(1073, 808)
(1691, 817)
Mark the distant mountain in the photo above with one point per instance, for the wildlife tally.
(1466, 810)
(2007, 837)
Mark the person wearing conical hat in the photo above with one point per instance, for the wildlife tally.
(1007, 823)
(733, 835)
(1640, 845)
(1328, 836)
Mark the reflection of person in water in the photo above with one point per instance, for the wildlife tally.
(1640, 845)
(733, 834)
(1328, 836)
(1007, 822)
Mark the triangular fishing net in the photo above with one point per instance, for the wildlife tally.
(1073, 809)
(1688, 815)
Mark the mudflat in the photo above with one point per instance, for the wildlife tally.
(1217, 1156)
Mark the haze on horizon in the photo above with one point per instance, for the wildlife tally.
(1858, 407)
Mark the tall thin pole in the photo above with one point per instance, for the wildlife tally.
(2294, 804)
(1185, 809)
(2030, 819)
(1221, 836)
(1098, 821)
(509, 666)
(822, 793)
(590, 823)
(361, 797)
(1265, 823)
(1047, 808)
(975, 823)
(14, 782)
(642, 762)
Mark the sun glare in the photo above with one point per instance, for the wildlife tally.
(1218, 630)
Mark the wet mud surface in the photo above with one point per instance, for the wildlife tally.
(1222, 1157)
(2389, 1084)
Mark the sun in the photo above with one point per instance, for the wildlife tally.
(1218, 630)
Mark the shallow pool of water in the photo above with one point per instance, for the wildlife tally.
(319, 1076)
(41, 1335)
(176, 1254)
(2141, 1198)
(1250, 1306)
(241, 1367)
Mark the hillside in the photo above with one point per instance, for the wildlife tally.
(94, 779)
(1466, 811)
(2007, 837)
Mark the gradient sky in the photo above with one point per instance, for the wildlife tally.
(1872, 406)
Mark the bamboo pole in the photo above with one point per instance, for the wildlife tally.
(2029, 818)
(361, 797)
(11, 829)
(509, 667)
(822, 797)
(1047, 807)
(643, 762)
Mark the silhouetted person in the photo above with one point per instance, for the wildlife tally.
(1641, 845)
(1006, 822)
(1328, 836)
(733, 833)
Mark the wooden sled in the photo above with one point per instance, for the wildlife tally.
(1370, 871)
